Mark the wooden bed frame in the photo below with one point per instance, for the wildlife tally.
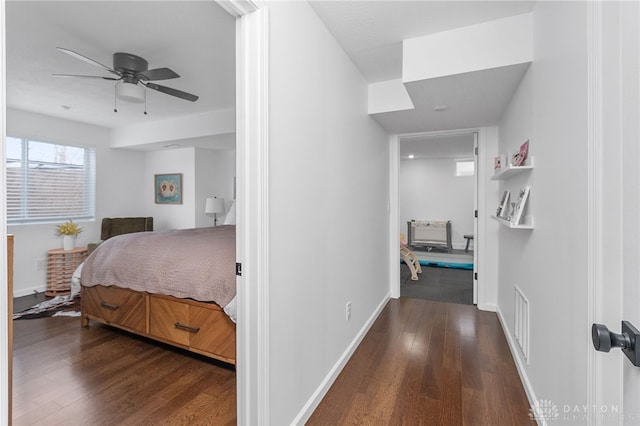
(199, 327)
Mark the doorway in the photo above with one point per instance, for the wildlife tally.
(434, 178)
(251, 30)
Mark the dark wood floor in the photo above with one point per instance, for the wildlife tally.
(422, 363)
(68, 375)
(428, 363)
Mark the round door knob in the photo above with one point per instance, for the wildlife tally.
(601, 337)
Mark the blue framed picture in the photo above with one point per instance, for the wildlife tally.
(168, 188)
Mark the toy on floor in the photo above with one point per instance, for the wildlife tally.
(411, 260)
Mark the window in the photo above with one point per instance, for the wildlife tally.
(49, 182)
(465, 168)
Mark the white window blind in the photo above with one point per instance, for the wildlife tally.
(49, 182)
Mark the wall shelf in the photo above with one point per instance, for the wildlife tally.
(510, 171)
(508, 224)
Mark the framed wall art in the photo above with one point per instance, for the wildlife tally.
(168, 188)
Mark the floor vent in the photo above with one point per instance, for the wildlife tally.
(522, 323)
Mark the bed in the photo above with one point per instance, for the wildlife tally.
(176, 287)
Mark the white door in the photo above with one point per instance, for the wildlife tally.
(614, 50)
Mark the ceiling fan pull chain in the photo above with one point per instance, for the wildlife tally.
(145, 101)
(115, 98)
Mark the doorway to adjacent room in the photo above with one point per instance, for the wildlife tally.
(436, 219)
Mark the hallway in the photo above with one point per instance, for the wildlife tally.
(428, 363)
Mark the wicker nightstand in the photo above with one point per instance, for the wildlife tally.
(61, 265)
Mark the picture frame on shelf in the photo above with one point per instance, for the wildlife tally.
(520, 158)
(499, 162)
(503, 207)
(520, 205)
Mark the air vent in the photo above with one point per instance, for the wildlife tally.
(522, 323)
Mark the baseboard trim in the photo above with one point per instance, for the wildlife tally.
(524, 378)
(313, 402)
(490, 307)
(29, 291)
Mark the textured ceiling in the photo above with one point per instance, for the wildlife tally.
(196, 39)
(371, 32)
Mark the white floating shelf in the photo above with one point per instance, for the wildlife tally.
(506, 173)
(508, 224)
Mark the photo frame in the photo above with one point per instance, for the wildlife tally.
(503, 207)
(168, 188)
(520, 206)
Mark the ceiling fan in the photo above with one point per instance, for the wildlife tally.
(132, 75)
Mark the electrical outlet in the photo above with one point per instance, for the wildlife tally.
(348, 311)
(41, 264)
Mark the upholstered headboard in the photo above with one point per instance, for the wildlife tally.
(112, 226)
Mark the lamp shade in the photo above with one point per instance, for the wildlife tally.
(214, 206)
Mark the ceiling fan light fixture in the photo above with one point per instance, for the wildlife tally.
(130, 92)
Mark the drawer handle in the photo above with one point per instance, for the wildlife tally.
(108, 305)
(187, 328)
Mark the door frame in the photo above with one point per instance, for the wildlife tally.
(606, 182)
(252, 224)
(479, 295)
(594, 197)
(5, 376)
(252, 59)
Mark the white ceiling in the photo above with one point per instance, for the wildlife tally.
(196, 40)
(371, 32)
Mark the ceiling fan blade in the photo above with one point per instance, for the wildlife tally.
(87, 76)
(87, 60)
(158, 74)
(173, 92)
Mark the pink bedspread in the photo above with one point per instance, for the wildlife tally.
(188, 263)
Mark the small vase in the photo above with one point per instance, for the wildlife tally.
(68, 242)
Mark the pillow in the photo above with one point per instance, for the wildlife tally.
(230, 218)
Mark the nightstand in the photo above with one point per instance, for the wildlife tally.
(61, 264)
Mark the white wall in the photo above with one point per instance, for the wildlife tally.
(549, 263)
(119, 176)
(328, 202)
(215, 172)
(204, 173)
(124, 187)
(172, 161)
(430, 190)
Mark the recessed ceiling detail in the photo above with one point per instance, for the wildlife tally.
(470, 72)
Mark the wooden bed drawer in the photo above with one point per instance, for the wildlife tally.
(217, 332)
(115, 306)
(164, 315)
(202, 327)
